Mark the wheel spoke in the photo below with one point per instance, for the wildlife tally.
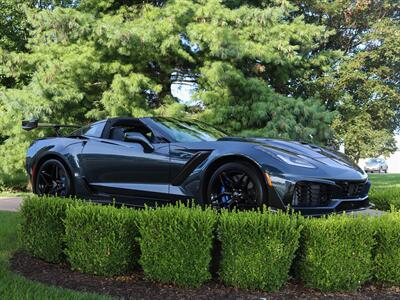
(57, 173)
(234, 188)
(52, 180)
(44, 179)
(244, 181)
(226, 181)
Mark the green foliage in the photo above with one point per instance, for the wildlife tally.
(359, 133)
(257, 248)
(336, 252)
(249, 107)
(101, 239)
(175, 244)
(387, 251)
(385, 190)
(93, 59)
(13, 182)
(384, 198)
(363, 84)
(42, 228)
(384, 180)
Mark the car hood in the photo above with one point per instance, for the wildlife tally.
(309, 151)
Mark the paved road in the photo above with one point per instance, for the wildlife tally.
(371, 212)
(10, 204)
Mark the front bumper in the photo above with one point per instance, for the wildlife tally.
(316, 197)
(336, 206)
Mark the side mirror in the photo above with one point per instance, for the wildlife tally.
(136, 137)
(29, 125)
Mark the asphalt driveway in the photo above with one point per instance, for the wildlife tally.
(10, 203)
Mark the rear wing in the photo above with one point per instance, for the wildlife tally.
(34, 123)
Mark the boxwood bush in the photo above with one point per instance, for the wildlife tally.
(257, 248)
(101, 239)
(387, 251)
(336, 252)
(176, 243)
(42, 228)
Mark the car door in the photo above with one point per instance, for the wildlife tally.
(126, 172)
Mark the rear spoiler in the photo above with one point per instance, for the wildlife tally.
(34, 123)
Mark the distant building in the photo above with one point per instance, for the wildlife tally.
(393, 161)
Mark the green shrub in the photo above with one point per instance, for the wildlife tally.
(336, 252)
(176, 243)
(257, 248)
(385, 197)
(101, 239)
(14, 182)
(387, 250)
(42, 228)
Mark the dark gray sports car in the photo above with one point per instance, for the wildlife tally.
(138, 161)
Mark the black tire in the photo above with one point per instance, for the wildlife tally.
(236, 185)
(53, 179)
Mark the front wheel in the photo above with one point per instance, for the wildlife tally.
(236, 185)
(53, 179)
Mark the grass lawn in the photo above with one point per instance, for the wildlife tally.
(16, 287)
(385, 180)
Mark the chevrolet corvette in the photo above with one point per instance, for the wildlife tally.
(156, 160)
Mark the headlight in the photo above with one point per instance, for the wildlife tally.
(295, 161)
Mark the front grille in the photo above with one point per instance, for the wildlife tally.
(350, 189)
(320, 194)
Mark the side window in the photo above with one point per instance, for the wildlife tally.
(94, 130)
(118, 132)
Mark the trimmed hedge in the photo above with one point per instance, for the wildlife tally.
(387, 251)
(175, 244)
(101, 239)
(257, 248)
(42, 228)
(336, 252)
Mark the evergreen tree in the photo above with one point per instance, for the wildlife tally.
(115, 58)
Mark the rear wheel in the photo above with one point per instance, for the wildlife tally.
(236, 185)
(53, 179)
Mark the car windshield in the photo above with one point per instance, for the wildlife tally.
(189, 131)
(373, 161)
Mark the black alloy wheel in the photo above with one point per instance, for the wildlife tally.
(236, 185)
(53, 179)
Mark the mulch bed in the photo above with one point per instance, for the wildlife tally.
(136, 287)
